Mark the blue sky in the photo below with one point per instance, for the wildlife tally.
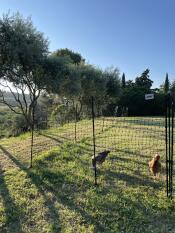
(129, 34)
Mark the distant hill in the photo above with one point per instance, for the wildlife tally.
(11, 100)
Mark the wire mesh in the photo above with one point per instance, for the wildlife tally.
(132, 141)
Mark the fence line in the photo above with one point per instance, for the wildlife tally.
(136, 139)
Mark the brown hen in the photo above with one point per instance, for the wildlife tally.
(155, 165)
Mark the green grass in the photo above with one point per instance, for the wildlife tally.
(58, 193)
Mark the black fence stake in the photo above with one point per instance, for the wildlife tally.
(172, 126)
(103, 124)
(169, 125)
(166, 142)
(32, 137)
(94, 146)
(169, 140)
(76, 123)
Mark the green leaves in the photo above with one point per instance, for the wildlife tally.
(144, 81)
(75, 58)
(22, 47)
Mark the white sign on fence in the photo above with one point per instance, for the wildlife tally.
(149, 96)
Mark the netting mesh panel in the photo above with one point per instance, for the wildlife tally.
(134, 135)
(143, 135)
(133, 141)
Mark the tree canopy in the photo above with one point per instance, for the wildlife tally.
(23, 50)
(143, 80)
(74, 57)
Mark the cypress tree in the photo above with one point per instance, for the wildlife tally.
(166, 84)
(123, 81)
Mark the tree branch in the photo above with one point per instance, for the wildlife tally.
(16, 98)
(11, 107)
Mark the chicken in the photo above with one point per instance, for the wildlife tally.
(100, 158)
(155, 165)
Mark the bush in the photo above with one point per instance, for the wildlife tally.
(63, 114)
(18, 126)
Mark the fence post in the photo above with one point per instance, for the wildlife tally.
(76, 123)
(172, 139)
(103, 124)
(169, 125)
(166, 142)
(169, 145)
(93, 127)
(32, 136)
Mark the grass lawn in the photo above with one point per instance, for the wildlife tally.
(58, 193)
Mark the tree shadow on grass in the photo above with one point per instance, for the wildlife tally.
(136, 215)
(53, 138)
(67, 190)
(63, 140)
(46, 181)
(47, 201)
(132, 180)
(12, 212)
(115, 158)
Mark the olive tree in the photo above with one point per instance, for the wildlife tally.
(23, 51)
